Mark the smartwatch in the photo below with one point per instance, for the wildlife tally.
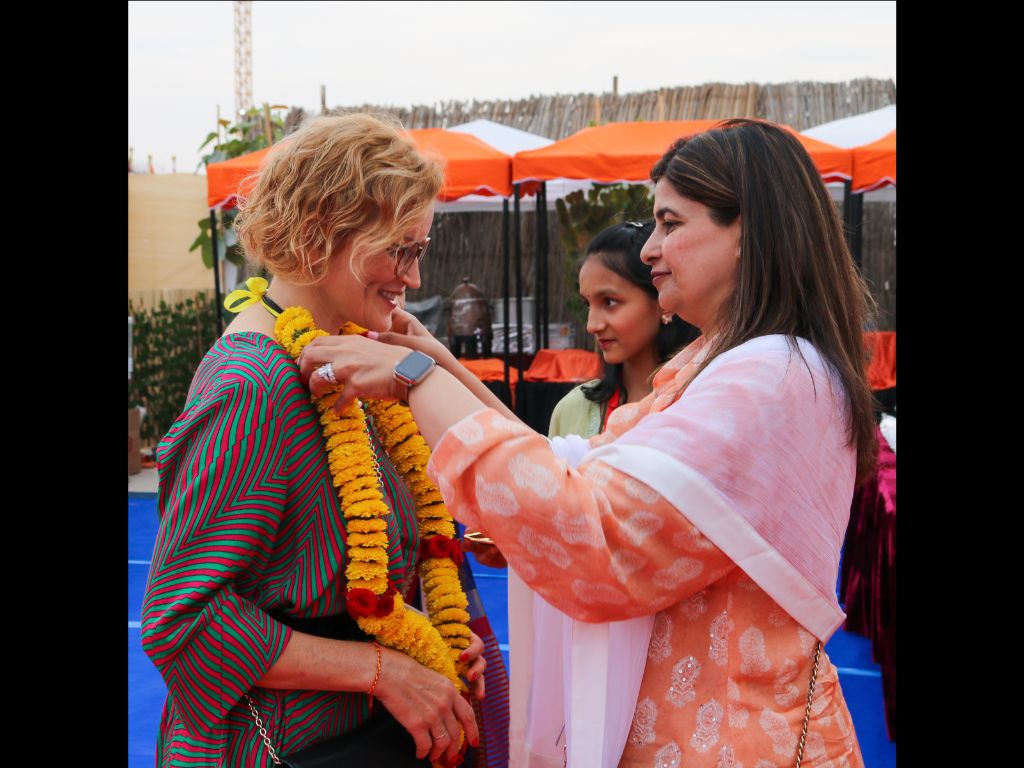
(414, 368)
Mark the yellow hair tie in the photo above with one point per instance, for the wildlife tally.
(241, 299)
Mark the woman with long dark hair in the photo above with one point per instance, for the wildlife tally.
(711, 514)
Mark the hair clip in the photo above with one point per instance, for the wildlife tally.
(637, 224)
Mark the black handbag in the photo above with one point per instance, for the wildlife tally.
(380, 741)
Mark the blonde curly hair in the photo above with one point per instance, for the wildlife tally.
(354, 179)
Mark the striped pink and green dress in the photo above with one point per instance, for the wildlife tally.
(250, 524)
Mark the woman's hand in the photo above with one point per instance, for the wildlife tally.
(486, 554)
(365, 367)
(408, 331)
(476, 665)
(427, 705)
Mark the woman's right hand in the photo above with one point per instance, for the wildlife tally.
(486, 554)
(427, 705)
(408, 331)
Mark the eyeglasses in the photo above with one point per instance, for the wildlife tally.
(405, 255)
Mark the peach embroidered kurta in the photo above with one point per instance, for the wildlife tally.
(727, 670)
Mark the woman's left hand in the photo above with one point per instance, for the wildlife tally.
(366, 368)
(476, 664)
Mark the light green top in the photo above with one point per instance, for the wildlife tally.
(575, 415)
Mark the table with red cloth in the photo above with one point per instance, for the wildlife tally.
(868, 575)
(550, 377)
(491, 371)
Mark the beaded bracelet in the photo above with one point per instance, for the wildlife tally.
(376, 677)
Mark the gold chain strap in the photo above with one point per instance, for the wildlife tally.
(807, 712)
(263, 731)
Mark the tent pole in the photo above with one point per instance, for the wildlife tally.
(857, 233)
(547, 266)
(518, 255)
(216, 273)
(538, 274)
(848, 215)
(507, 288)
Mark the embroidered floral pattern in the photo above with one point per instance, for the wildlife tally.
(661, 639)
(709, 721)
(683, 674)
(726, 758)
(669, 756)
(738, 714)
(643, 722)
(718, 651)
(696, 606)
(753, 658)
(786, 692)
(777, 728)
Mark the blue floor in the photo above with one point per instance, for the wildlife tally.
(859, 676)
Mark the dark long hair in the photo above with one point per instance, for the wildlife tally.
(618, 248)
(795, 275)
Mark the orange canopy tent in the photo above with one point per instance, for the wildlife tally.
(874, 164)
(471, 167)
(627, 151)
(223, 179)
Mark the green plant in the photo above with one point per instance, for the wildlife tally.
(247, 135)
(167, 344)
(581, 216)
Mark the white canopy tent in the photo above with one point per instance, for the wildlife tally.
(856, 131)
(510, 141)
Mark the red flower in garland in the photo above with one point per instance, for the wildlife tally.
(441, 547)
(385, 605)
(455, 552)
(361, 602)
(438, 546)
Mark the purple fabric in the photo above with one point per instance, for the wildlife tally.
(868, 583)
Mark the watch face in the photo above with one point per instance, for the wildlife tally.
(415, 366)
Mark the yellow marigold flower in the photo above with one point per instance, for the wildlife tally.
(304, 339)
(356, 570)
(441, 527)
(433, 567)
(430, 496)
(342, 461)
(403, 453)
(447, 615)
(363, 495)
(371, 508)
(454, 630)
(357, 483)
(366, 526)
(433, 512)
(401, 431)
(450, 601)
(367, 539)
(345, 438)
(372, 554)
(378, 585)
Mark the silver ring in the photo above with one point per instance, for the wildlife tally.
(442, 736)
(326, 371)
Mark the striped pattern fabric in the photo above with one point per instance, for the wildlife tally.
(492, 712)
(249, 524)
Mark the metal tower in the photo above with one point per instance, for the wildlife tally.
(243, 57)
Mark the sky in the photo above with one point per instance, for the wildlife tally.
(181, 54)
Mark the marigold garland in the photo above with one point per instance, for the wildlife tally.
(370, 598)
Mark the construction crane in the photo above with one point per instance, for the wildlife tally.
(243, 57)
